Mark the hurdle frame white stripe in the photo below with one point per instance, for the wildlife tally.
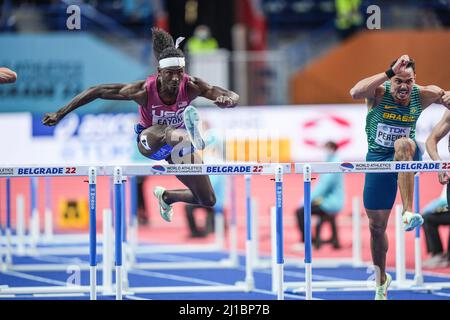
(249, 248)
(34, 221)
(230, 262)
(356, 233)
(118, 181)
(233, 223)
(93, 232)
(418, 276)
(20, 224)
(400, 261)
(107, 252)
(8, 256)
(363, 167)
(279, 231)
(218, 245)
(252, 169)
(48, 214)
(245, 286)
(355, 260)
(273, 247)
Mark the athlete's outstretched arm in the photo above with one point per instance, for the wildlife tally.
(7, 76)
(116, 91)
(222, 98)
(439, 131)
(434, 94)
(367, 88)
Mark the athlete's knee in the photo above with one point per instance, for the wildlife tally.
(377, 228)
(209, 200)
(404, 149)
(174, 136)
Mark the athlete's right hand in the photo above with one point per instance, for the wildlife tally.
(443, 178)
(401, 64)
(51, 119)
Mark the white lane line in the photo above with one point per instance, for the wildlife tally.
(443, 294)
(34, 278)
(136, 298)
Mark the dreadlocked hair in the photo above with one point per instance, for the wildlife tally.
(163, 45)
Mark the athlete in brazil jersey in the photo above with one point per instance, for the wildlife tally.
(167, 121)
(395, 102)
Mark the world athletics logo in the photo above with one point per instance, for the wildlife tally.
(347, 167)
(158, 169)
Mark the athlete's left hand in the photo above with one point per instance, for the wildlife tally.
(443, 177)
(446, 99)
(224, 102)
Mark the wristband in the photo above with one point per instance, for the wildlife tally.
(390, 73)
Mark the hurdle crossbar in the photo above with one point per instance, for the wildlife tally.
(143, 170)
(357, 167)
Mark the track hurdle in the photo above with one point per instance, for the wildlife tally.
(230, 262)
(134, 170)
(359, 167)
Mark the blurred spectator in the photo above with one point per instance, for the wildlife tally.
(327, 199)
(202, 41)
(137, 10)
(437, 214)
(348, 17)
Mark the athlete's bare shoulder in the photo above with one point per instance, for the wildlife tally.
(376, 99)
(430, 94)
(197, 87)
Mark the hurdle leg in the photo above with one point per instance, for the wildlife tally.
(20, 224)
(273, 247)
(118, 229)
(279, 231)
(107, 252)
(399, 246)
(133, 221)
(255, 233)
(418, 276)
(249, 279)
(308, 241)
(8, 257)
(356, 231)
(233, 225)
(219, 230)
(34, 221)
(48, 215)
(125, 247)
(93, 232)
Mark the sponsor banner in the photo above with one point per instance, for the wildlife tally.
(245, 169)
(368, 167)
(46, 171)
(365, 167)
(251, 134)
(429, 166)
(6, 171)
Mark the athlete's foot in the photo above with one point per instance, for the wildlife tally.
(411, 220)
(381, 291)
(191, 121)
(165, 209)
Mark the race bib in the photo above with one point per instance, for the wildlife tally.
(387, 135)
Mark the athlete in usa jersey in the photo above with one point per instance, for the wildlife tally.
(395, 103)
(166, 118)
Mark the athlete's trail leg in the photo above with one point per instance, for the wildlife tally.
(405, 149)
(378, 220)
